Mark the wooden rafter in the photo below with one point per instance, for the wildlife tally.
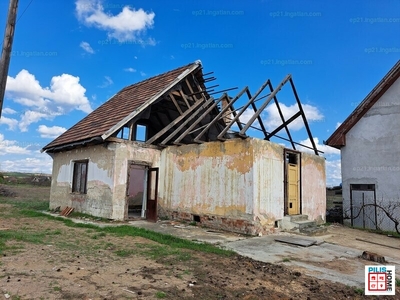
(253, 105)
(227, 127)
(218, 117)
(174, 122)
(175, 103)
(187, 120)
(282, 119)
(264, 105)
(199, 119)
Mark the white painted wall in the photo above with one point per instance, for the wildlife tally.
(372, 151)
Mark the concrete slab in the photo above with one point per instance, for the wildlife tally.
(296, 241)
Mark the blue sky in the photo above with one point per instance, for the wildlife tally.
(69, 57)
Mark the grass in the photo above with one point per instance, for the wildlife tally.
(286, 259)
(35, 208)
(160, 295)
(397, 282)
(359, 291)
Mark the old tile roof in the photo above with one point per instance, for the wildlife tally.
(338, 138)
(122, 107)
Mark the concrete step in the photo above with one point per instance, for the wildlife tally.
(296, 218)
(303, 224)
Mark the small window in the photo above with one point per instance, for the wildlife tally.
(79, 179)
(141, 133)
(123, 133)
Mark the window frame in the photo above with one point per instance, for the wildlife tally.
(79, 177)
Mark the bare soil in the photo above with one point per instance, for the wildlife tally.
(61, 262)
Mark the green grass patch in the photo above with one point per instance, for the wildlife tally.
(30, 209)
(160, 295)
(397, 282)
(359, 291)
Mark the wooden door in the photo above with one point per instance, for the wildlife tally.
(293, 189)
(152, 190)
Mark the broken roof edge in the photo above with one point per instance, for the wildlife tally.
(338, 137)
(141, 108)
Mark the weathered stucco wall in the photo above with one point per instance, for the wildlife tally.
(268, 181)
(212, 178)
(107, 177)
(313, 182)
(100, 182)
(372, 151)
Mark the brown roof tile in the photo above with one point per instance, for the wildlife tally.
(120, 106)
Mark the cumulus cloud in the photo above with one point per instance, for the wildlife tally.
(321, 147)
(127, 25)
(86, 46)
(64, 94)
(337, 125)
(12, 147)
(333, 172)
(273, 120)
(50, 132)
(8, 111)
(10, 122)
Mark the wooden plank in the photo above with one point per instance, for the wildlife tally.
(266, 102)
(199, 119)
(175, 103)
(173, 123)
(193, 115)
(296, 241)
(227, 127)
(184, 97)
(221, 113)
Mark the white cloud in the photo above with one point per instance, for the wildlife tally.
(324, 148)
(8, 111)
(272, 119)
(142, 73)
(333, 172)
(50, 132)
(337, 125)
(128, 25)
(131, 70)
(332, 161)
(42, 164)
(107, 82)
(11, 147)
(11, 123)
(86, 46)
(64, 95)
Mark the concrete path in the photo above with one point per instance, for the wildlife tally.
(326, 260)
(334, 256)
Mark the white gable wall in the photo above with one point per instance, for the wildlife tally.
(372, 151)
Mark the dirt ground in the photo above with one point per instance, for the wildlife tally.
(61, 262)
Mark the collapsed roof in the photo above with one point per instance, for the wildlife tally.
(177, 108)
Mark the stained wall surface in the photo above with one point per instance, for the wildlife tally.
(372, 151)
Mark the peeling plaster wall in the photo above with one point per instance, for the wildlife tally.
(372, 151)
(268, 181)
(313, 182)
(126, 152)
(212, 178)
(98, 200)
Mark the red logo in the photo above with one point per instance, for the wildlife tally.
(377, 281)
